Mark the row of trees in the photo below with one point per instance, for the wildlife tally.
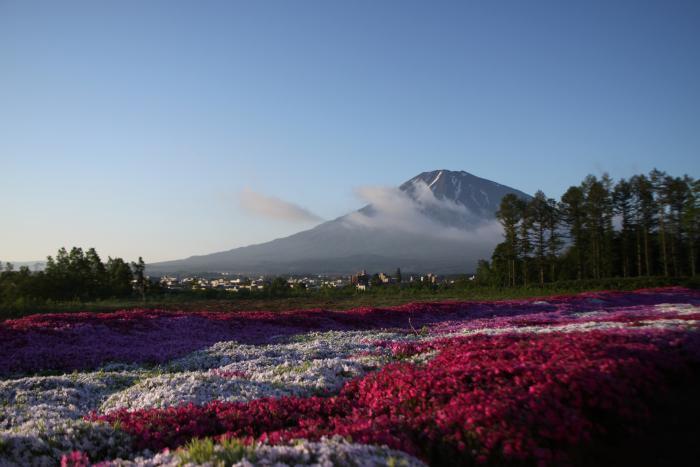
(646, 225)
(74, 275)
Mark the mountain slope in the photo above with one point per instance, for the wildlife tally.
(440, 221)
(477, 194)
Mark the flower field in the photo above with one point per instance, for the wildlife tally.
(528, 382)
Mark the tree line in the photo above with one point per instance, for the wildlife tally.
(73, 275)
(644, 226)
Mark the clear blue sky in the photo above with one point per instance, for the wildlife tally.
(134, 126)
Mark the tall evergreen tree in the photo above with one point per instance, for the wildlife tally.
(540, 217)
(644, 215)
(139, 269)
(509, 215)
(622, 200)
(499, 272)
(554, 238)
(658, 231)
(98, 273)
(525, 244)
(607, 261)
(658, 182)
(574, 216)
(119, 277)
(691, 221)
(675, 192)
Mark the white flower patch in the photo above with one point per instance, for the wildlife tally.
(326, 452)
(310, 346)
(44, 446)
(678, 308)
(175, 389)
(581, 327)
(669, 324)
(314, 363)
(40, 417)
(303, 378)
(31, 404)
(589, 314)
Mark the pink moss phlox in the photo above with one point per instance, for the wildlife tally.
(70, 341)
(75, 459)
(531, 398)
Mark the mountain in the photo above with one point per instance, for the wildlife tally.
(478, 195)
(441, 221)
(38, 265)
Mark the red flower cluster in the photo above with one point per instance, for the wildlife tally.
(71, 341)
(75, 459)
(512, 398)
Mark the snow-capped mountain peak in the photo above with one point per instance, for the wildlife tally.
(479, 195)
(441, 221)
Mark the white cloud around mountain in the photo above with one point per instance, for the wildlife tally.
(392, 208)
(275, 208)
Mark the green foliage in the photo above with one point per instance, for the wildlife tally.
(224, 453)
(510, 216)
(139, 269)
(658, 232)
(279, 287)
(74, 275)
(119, 277)
(197, 451)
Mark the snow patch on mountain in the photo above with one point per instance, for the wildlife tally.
(414, 212)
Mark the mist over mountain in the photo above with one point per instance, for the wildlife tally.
(440, 221)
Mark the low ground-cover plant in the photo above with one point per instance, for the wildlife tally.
(227, 451)
(549, 381)
(88, 340)
(496, 399)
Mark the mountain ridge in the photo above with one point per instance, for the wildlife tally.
(440, 221)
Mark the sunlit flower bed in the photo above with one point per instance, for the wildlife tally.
(512, 382)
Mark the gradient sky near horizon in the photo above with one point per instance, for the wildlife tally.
(167, 128)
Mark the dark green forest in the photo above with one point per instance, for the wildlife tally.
(643, 226)
(73, 275)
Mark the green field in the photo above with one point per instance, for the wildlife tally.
(341, 299)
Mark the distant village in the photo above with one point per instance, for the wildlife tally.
(235, 283)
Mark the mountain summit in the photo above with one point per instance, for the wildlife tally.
(478, 195)
(440, 221)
